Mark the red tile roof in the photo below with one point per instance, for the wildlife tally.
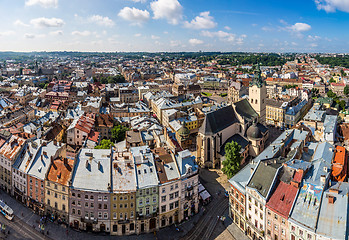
(282, 199)
(93, 136)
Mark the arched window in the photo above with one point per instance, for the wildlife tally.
(256, 101)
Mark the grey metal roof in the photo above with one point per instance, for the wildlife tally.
(240, 179)
(332, 221)
(145, 167)
(92, 170)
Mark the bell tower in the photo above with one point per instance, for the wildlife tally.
(258, 94)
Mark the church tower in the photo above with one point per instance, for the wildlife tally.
(258, 94)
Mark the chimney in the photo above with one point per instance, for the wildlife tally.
(252, 170)
(55, 142)
(65, 160)
(99, 165)
(51, 159)
(330, 199)
(87, 164)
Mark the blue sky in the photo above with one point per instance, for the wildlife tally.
(175, 25)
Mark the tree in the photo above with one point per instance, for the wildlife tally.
(331, 94)
(105, 144)
(118, 133)
(342, 104)
(346, 90)
(332, 80)
(231, 164)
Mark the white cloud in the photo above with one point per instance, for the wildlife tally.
(138, 35)
(167, 9)
(20, 23)
(134, 15)
(227, 28)
(47, 22)
(56, 33)
(175, 43)
(42, 3)
(102, 21)
(7, 33)
(195, 41)
(204, 21)
(31, 35)
(300, 27)
(313, 45)
(313, 38)
(267, 29)
(225, 36)
(332, 5)
(154, 37)
(81, 33)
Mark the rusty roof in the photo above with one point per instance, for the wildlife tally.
(12, 147)
(60, 171)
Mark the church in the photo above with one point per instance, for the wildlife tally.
(242, 122)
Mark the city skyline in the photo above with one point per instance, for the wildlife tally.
(174, 25)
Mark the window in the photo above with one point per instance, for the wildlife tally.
(48, 202)
(105, 198)
(140, 202)
(120, 205)
(48, 184)
(268, 222)
(163, 190)
(48, 192)
(86, 196)
(171, 206)
(147, 201)
(163, 199)
(300, 232)
(114, 216)
(99, 206)
(99, 215)
(55, 185)
(154, 199)
(131, 205)
(309, 237)
(73, 202)
(105, 215)
(79, 212)
(276, 227)
(63, 189)
(176, 204)
(176, 186)
(125, 205)
(276, 217)
(73, 194)
(105, 206)
(163, 208)
(79, 196)
(79, 203)
(147, 192)
(283, 221)
(86, 214)
(171, 187)
(154, 190)
(99, 198)
(131, 215)
(86, 204)
(91, 197)
(171, 196)
(147, 211)
(176, 194)
(92, 215)
(73, 211)
(92, 205)
(120, 215)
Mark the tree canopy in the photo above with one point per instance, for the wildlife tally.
(118, 133)
(105, 144)
(231, 164)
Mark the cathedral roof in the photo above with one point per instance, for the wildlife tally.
(244, 109)
(218, 120)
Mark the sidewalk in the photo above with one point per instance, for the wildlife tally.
(233, 229)
(62, 232)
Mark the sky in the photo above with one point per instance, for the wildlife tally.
(175, 25)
